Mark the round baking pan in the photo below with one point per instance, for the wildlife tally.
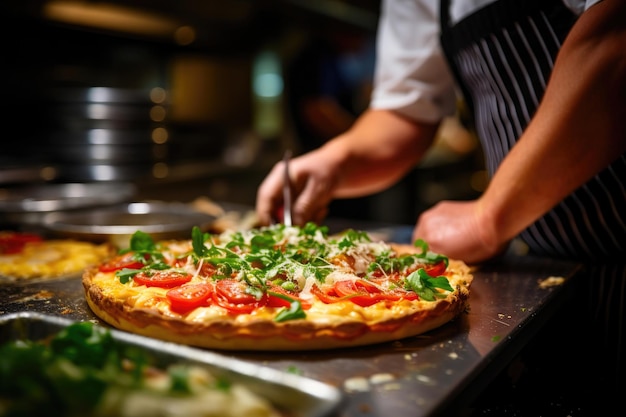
(68, 196)
(117, 224)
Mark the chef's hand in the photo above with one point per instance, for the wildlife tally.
(313, 178)
(458, 230)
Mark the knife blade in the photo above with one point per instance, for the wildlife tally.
(287, 197)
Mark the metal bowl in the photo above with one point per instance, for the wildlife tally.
(117, 224)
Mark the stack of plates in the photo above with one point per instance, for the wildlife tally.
(105, 134)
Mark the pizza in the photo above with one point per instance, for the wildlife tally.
(29, 256)
(277, 288)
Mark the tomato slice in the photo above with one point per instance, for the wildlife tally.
(167, 278)
(188, 297)
(275, 301)
(207, 269)
(434, 270)
(235, 291)
(327, 296)
(120, 262)
(14, 242)
(359, 292)
(231, 294)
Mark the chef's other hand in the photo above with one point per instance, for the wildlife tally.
(455, 229)
(313, 178)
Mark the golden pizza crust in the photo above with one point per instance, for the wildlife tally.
(142, 310)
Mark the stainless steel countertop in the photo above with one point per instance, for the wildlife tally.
(425, 375)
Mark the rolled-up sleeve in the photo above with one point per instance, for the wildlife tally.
(411, 75)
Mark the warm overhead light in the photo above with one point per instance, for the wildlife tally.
(185, 35)
(111, 17)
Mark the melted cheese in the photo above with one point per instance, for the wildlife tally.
(52, 258)
(153, 298)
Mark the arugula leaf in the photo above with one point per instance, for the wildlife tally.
(262, 241)
(294, 312)
(387, 263)
(254, 291)
(425, 286)
(126, 274)
(351, 237)
(197, 242)
(311, 229)
(426, 254)
(142, 242)
(144, 248)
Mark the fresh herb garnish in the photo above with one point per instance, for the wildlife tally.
(425, 286)
(294, 311)
(144, 250)
(351, 237)
(197, 241)
(427, 255)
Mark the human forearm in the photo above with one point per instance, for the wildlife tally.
(377, 151)
(576, 132)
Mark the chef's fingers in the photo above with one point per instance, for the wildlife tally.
(313, 177)
(269, 198)
(321, 214)
(311, 204)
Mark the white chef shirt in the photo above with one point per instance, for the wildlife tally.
(411, 74)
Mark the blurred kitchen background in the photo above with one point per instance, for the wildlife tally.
(199, 98)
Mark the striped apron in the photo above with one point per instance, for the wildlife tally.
(502, 56)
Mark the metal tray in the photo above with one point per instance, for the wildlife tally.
(118, 223)
(292, 394)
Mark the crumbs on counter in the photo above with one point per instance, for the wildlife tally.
(364, 384)
(356, 384)
(551, 282)
(381, 378)
(40, 295)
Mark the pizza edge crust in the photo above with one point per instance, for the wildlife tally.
(267, 335)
